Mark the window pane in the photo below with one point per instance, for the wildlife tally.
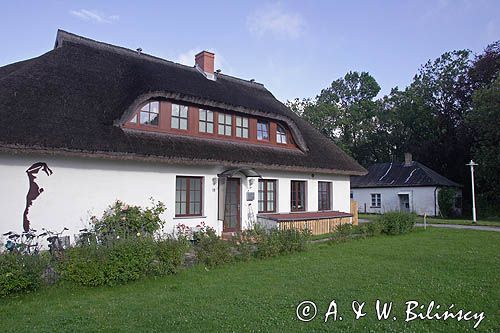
(203, 114)
(245, 133)
(202, 127)
(184, 111)
(221, 118)
(210, 127)
(270, 206)
(245, 122)
(134, 119)
(238, 132)
(175, 122)
(228, 130)
(145, 107)
(175, 110)
(221, 129)
(238, 121)
(144, 117)
(210, 116)
(153, 118)
(154, 107)
(183, 124)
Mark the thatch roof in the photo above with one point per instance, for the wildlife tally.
(72, 99)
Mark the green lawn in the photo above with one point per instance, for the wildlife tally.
(433, 220)
(448, 266)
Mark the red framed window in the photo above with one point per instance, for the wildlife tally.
(225, 124)
(149, 114)
(179, 116)
(298, 196)
(281, 135)
(206, 123)
(267, 196)
(242, 127)
(188, 196)
(324, 195)
(263, 130)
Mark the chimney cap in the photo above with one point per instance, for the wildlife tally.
(408, 159)
(204, 52)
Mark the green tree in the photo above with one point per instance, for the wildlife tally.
(485, 124)
(347, 113)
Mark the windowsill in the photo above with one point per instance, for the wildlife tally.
(375, 206)
(189, 217)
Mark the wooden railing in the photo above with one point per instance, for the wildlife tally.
(317, 227)
(354, 212)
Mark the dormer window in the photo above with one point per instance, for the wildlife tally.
(149, 114)
(280, 135)
(263, 130)
(225, 124)
(206, 123)
(242, 127)
(179, 116)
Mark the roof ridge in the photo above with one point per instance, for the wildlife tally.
(65, 36)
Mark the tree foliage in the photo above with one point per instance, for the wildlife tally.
(448, 115)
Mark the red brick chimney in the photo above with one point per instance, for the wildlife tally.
(205, 61)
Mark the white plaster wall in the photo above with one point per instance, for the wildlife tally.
(421, 199)
(80, 188)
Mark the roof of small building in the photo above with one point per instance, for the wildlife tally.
(72, 100)
(400, 175)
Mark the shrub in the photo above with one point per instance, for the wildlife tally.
(210, 249)
(20, 272)
(121, 261)
(271, 243)
(374, 228)
(244, 244)
(343, 231)
(446, 198)
(121, 221)
(395, 223)
(169, 255)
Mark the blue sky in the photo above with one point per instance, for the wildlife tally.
(295, 48)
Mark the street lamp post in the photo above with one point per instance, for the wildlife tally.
(472, 164)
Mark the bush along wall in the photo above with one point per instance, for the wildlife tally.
(127, 244)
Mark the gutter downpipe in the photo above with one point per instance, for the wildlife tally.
(435, 201)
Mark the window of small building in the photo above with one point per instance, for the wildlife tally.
(206, 123)
(188, 196)
(225, 124)
(179, 116)
(281, 134)
(150, 113)
(262, 130)
(241, 127)
(267, 196)
(324, 195)
(298, 195)
(376, 200)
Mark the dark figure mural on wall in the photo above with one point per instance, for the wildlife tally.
(34, 190)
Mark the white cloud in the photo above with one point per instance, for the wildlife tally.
(187, 58)
(274, 19)
(94, 16)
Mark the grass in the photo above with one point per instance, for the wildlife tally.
(438, 220)
(448, 266)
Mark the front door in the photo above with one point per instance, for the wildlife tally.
(404, 202)
(232, 205)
